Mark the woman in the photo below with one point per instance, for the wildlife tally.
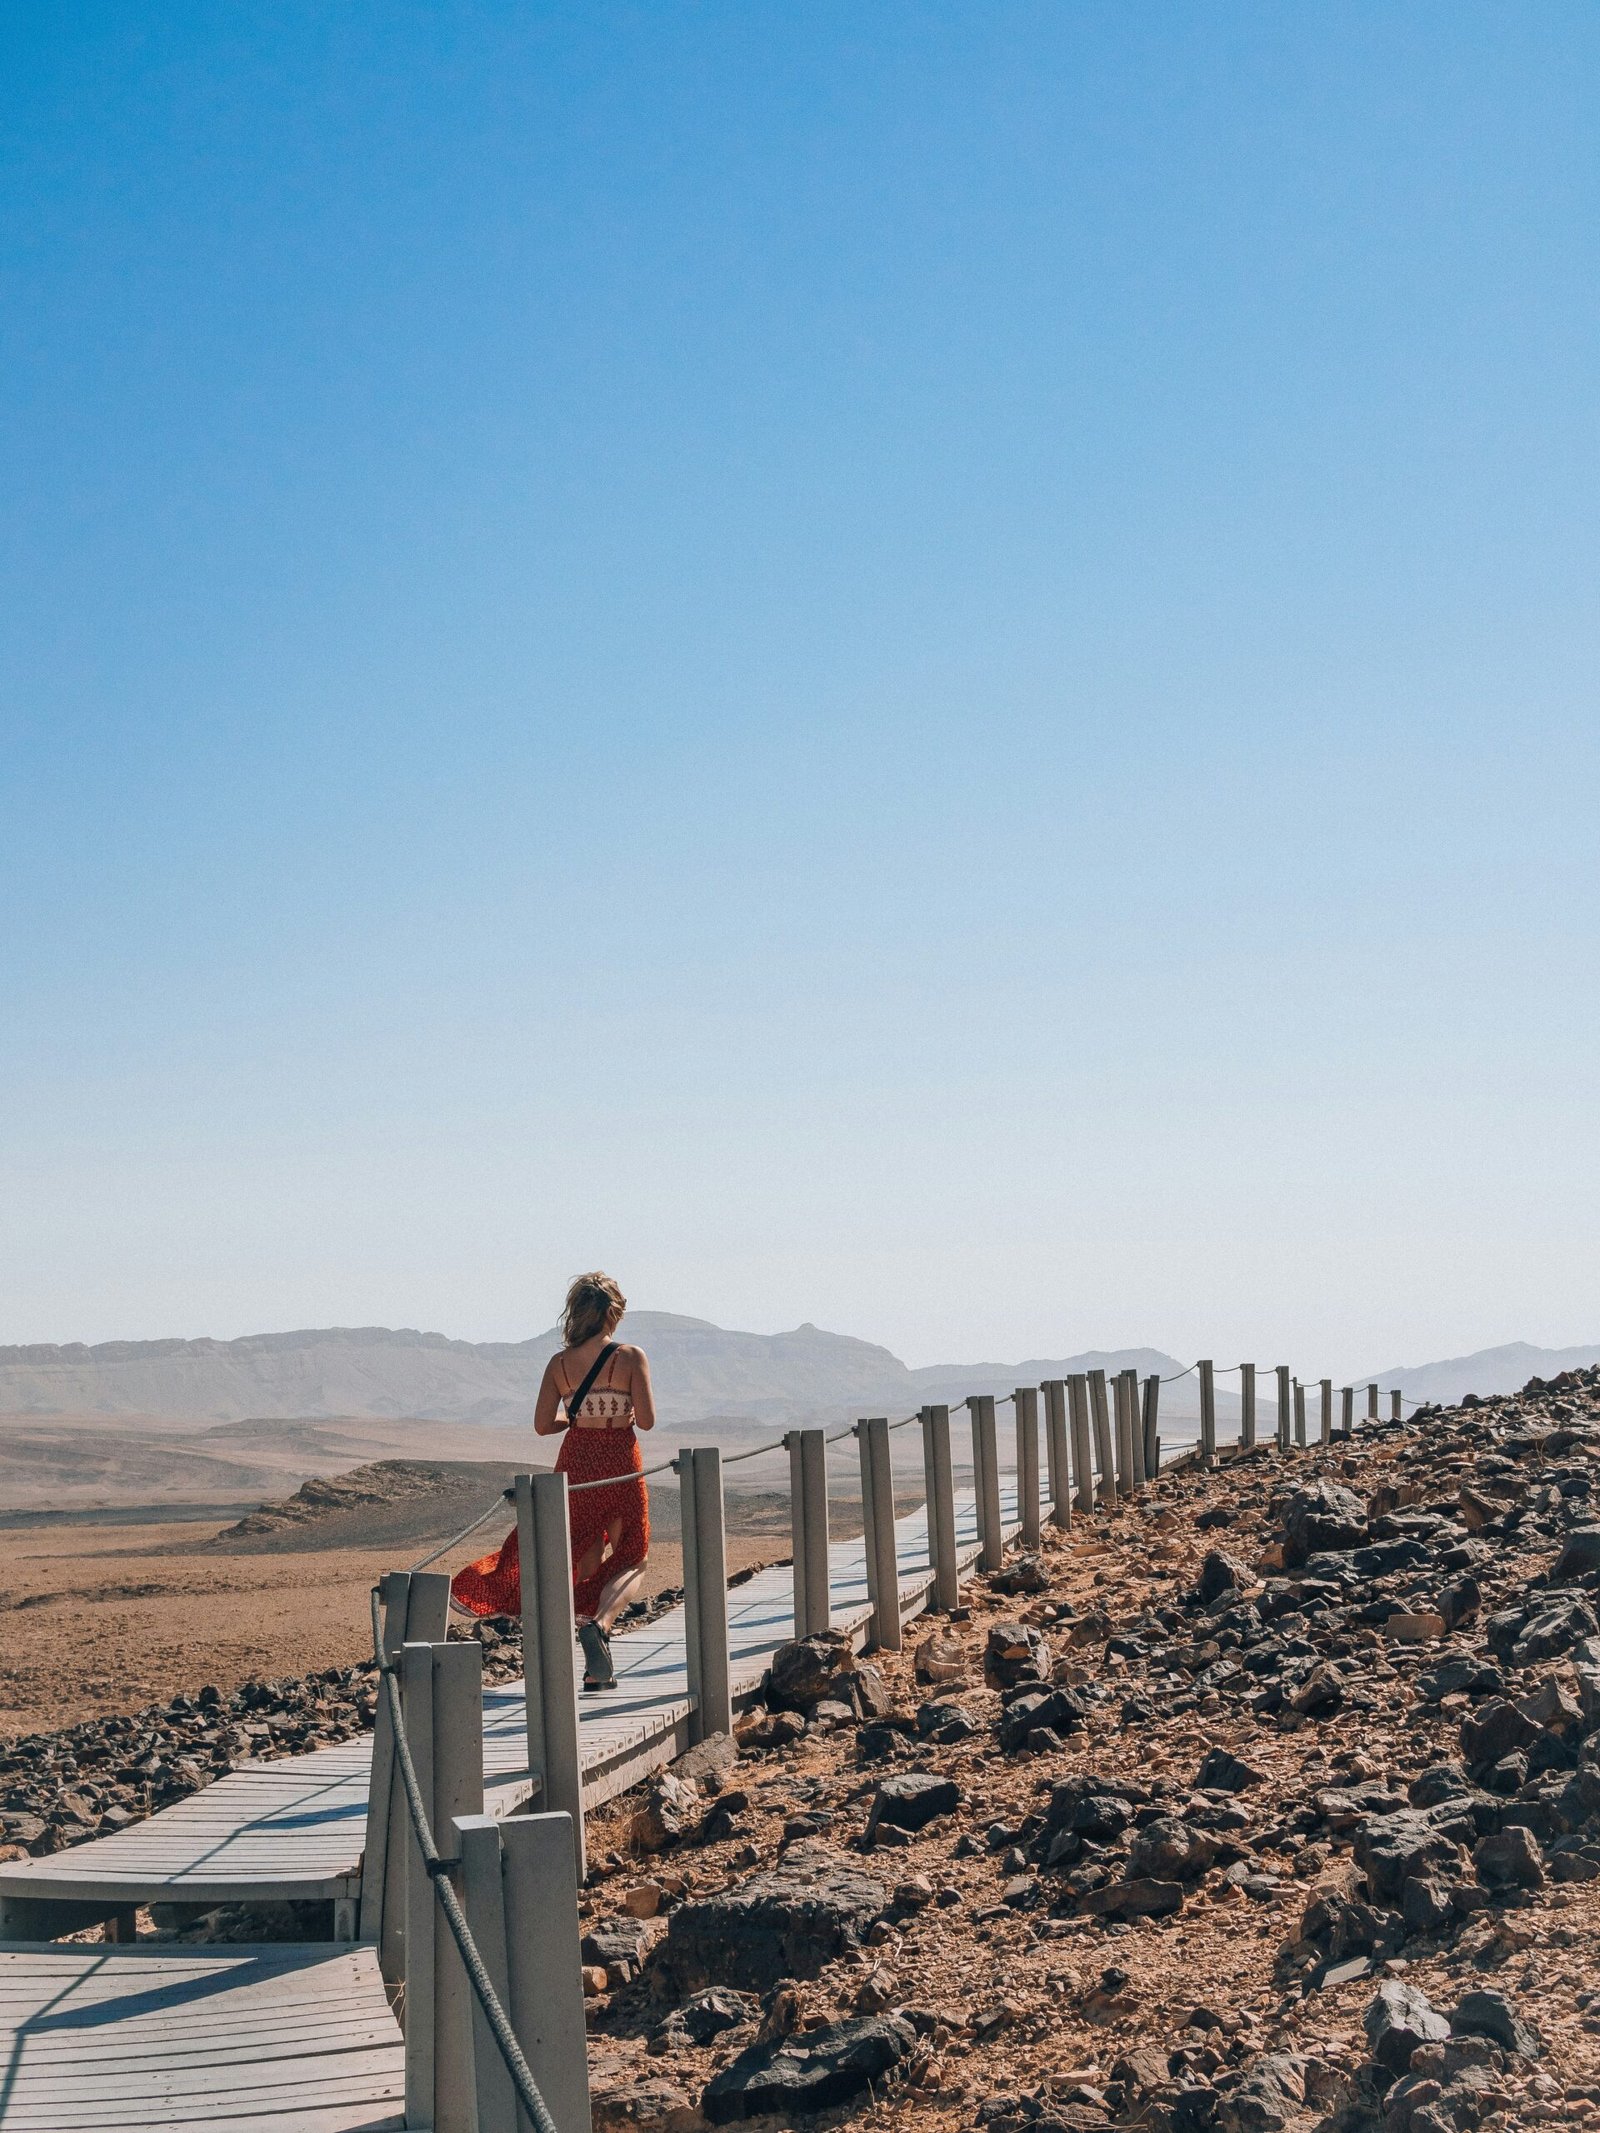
(597, 1390)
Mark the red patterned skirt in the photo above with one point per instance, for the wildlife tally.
(493, 1584)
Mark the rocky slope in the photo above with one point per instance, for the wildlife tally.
(1270, 1802)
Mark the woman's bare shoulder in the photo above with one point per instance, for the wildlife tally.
(629, 1354)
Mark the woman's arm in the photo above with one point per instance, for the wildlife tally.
(544, 1410)
(644, 1399)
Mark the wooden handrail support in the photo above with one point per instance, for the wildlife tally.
(1025, 1406)
(1208, 1413)
(1150, 1420)
(1079, 1401)
(808, 1526)
(519, 1889)
(1058, 1453)
(416, 1609)
(878, 1537)
(705, 1592)
(986, 1480)
(939, 1482)
(549, 1664)
(441, 1687)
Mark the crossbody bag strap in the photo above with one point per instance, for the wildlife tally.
(576, 1399)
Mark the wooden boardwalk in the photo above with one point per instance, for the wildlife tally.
(294, 1829)
(279, 2039)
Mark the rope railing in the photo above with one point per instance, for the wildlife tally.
(438, 1870)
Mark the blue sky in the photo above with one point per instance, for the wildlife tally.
(930, 668)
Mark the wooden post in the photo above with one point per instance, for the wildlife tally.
(1325, 1418)
(1347, 1409)
(808, 1498)
(1299, 1414)
(1247, 1405)
(1082, 1455)
(941, 1513)
(1105, 1459)
(1151, 1421)
(1285, 1425)
(1122, 1416)
(520, 1894)
(1372, 1403)
(986, 1477)
(878, 1538)
(714, 1693)
(442, 1690)
(1055, 1437)
(1025, 1405)
(416, 1610)
(549, 1664)
(1208, 1414)
(1135, 1434)
(1397, 1405)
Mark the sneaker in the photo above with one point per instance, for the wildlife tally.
(598, 1672)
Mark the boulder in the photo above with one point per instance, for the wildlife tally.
(1498, 1730)
(1134, 1898)
(1322, 1519)
(1015, 1652)
(1224, 1772)
(1168, 1849)
(1271, 2095)
(1390, 1849)
(707, 2014)
(671, 1808)
(811, 1670)
(1491, 2015)
(813, 2072)
(1023, 1574)
(940, 1659)
(1579, 1557)
(1219, 1573)
(1398, 2020)
(1062, 1711)
(788, 1922)
(1509, 1859)
(911, 1799)
(1554, 1629)
(644, 2107)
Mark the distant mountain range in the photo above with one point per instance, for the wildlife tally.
(702, 1373)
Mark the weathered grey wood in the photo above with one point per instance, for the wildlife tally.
(808, 1500)
(714, 1711)
(416, 1696)
(1397, 1405)
(1104, 1451)
(986, 1479)
(1127, 1469)
(416, 1609)
(1299, 1414)
(549, 1646)
(248, 2037)
(546, 1982)
(941, 1512)
(877, 1517)
(1372, 1403)
(689, 1553)
(1247, 1405)
(1150, 1420)
(477, 1844)
(1025, 1404)
(1078, 1400)
(1347, 1408)
(1059, 1450)
(1325, 1418)
(1208, 1413)
(1285, 1408)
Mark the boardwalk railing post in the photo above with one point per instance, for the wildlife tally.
(442, 1692)
(808, 1497)
(416, 1610)
(1247, 1405)
(1104, 1455)
(1208, 1414)
(1151, 1423)
(941, 1496)
(1285, 1425)
(878, 1536)
(1372, 1403)
(713, 1706)
(1124, 1438)
(1397, 1409)
(1082, 1455)
(520, 1894)
(1299, 1414)
(1060, 1463)
(1135, 1433)
(1325, 1418)
(986, 1479)
(1025, 1402)
(1347, 1408)
(550, 1674)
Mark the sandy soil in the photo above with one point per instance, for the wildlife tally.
(95, 1619)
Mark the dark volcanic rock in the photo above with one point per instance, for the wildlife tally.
(1219, 1573)
(1222, 1772)
(1398, 2020)
(911, 1799)
(1391, 1848)
(1013, 1652)
(1168, 1849)
(813, 2072)
(788, 1922)
(1491, 2014)
(1509, 1860)
(811, 1670)
(1140, 1898)
(1579, 1557)
(1322, 1518)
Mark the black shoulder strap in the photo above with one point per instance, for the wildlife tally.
(576, 1399)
